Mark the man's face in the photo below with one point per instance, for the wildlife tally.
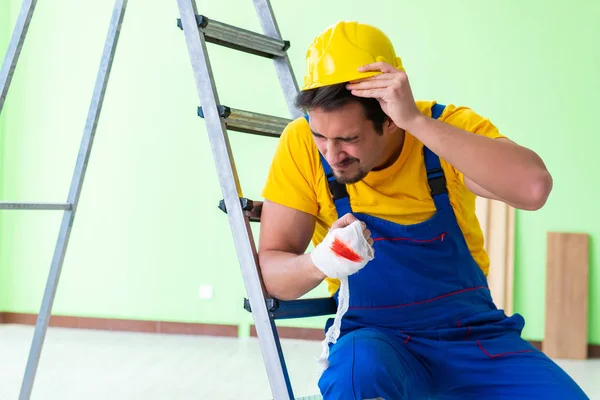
(349, 141)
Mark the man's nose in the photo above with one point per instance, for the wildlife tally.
(334, 154)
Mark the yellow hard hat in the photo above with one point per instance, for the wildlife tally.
(335, 55)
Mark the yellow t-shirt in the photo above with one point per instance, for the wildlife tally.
(398, 193)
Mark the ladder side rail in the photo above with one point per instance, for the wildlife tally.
(240, 227)
(283, 66)
(14, 47)
(95, 108)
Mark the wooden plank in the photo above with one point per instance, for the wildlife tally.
(496, 220)
(495, 245)
(567, 271)
(509, 277)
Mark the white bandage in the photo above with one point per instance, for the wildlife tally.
(343, 252)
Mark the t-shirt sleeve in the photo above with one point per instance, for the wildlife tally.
(291, 177)
(467, 119)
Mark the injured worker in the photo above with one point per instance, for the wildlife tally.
(385, 188)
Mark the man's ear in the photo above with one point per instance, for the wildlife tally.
(389, 126)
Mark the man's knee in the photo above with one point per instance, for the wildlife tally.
(364, 364)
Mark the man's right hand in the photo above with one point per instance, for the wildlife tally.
(345, 250)
(346, 220)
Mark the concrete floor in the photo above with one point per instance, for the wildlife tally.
(93, 365)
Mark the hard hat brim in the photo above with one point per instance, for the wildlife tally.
(330, 82)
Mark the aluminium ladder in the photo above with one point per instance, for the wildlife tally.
(219, 118)
(70, 206)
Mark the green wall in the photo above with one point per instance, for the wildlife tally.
(148, 232)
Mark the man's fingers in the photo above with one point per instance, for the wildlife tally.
(382, 76)
(375, 93)
(346, 220)
(378, 66)
(370, 84)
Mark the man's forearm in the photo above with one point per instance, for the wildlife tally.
(511, 172)
(289, 276)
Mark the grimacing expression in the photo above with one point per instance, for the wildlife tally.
(349, 141)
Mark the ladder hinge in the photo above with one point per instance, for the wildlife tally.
(224, 111)
(247, 204)
(272, 305)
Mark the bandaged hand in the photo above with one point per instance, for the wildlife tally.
(345, 250)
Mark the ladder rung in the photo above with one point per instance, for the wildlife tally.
(240, 39)
(250, 122)
(301, 308)
(4, 205)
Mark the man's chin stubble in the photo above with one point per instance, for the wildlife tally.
(348, 180)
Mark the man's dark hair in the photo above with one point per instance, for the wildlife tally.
(332, 97)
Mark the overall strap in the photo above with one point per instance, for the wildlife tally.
(435, 173)
(338, 190)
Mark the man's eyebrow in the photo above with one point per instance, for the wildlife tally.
(344, 139)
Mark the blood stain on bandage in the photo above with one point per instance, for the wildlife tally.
(342, 250)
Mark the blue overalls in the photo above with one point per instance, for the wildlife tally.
(421, 322)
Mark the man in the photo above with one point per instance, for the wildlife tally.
(420, 321)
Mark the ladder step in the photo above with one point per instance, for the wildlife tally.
(240, 39)
(250, 122)
(35, 206)
(251, 208)
(301, 308)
